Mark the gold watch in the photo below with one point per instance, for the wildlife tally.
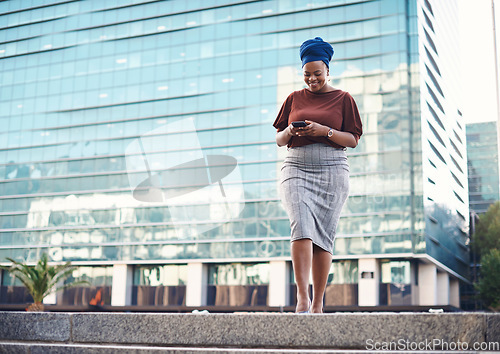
(330, 133)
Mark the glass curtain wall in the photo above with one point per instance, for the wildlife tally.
(137, 131)
(107, 107)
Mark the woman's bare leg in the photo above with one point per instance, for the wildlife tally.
(302, 255)
(321, 263)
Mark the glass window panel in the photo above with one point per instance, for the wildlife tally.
(395, 272)
(97, 276)
(343, 272)
(239, 274)
(167, 275)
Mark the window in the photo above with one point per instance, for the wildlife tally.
(436, 134)
(456, 149)
(429, 7)
(456, 164)
(437, 152)
(430, 41)
(342, 286)
(458, 197)
(431, 59)
(98, 293)
(433, 78)
(395, 287)
(434, 97)
(428, 21)
(238, 284)
(239, 274)
(166, 275)
(160, 285)
(457, 180)
(434, 114)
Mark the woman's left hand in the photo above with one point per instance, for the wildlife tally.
(312, 129)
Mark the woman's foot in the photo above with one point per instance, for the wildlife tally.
(303, 306)
(317, 308)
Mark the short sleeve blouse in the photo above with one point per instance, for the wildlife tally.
(335, 109)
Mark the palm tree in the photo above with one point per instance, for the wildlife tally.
(42, 279)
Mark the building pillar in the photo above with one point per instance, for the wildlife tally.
(443, 288)
(414, 282)
(369, 282)
(279, 283)
(196, 286)
(121, 290)
(427, 284)
(454, 292)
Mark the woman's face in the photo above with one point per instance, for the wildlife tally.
(315, 76)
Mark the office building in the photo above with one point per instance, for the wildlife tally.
(482, 163)
(137, 142)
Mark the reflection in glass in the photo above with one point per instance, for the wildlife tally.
(98, 293)
(12, 291)
(159, 285)
(342, 286)
(395, 283)
(238, 284)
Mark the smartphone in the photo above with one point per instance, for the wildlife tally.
(299, 124)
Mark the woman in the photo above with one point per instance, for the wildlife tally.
(315, 173)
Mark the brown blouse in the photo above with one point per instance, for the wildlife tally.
(335, 109)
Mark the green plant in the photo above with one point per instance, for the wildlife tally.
(489, 282)
(42, 279)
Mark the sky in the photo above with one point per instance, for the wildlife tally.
(478, 60)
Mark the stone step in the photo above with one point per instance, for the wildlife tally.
(55, 348)
(248, 332)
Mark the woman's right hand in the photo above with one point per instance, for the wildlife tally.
(284, 136)
(291, 130)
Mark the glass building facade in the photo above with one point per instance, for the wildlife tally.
(482, 162)
(137, 136)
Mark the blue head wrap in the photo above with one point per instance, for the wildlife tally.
(314, 50)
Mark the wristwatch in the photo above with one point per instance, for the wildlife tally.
(330, 133)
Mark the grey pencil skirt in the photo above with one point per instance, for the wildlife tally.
(314, 187)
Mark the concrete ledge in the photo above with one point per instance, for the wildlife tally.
(493, 327)
(35, 326)
(339, 331)
(250, 330)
